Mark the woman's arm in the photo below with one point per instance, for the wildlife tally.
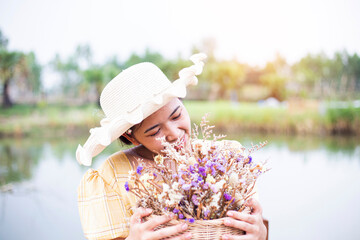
(251, 223)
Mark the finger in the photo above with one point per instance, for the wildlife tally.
(139, 214)
(158, 220)
(234, 237)
(247, 227)
(255, 205)
(182, 237)
(171, 231)
(242, 216)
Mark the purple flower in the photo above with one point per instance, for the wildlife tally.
(181, 216)
(186, 187)
(139, 169)
(127, 186)
(227, 196)
(205, 186)
(181, 181)
(191, 169)
(208, 164)
(206, 213)
(191, 220)
(213, 171)
(175, 210)
(222, 168)
(155, 175)
(194, 184)
(250, 159)
(195, 200)
(202, 171)
(200, 179)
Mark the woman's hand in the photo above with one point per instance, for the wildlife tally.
(145, 230)
(251, 223)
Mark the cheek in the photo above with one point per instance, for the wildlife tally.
(154, 145)
(187, 123)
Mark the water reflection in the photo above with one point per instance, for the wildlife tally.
(314, 184)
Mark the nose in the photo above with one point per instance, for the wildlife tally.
(172, 133)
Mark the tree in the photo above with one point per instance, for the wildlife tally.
(95, 76)
(225, 77)
(312, 72)
(19, 68)
(275, 77)
(9, 61)
(276, 84)
(69, 73)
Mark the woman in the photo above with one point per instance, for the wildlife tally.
(141, 105)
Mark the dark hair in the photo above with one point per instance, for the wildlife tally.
(124, 140)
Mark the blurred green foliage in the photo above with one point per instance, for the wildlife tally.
(315, 76)
(63, 120)
(225, 83)
(18, 69)
(343, 120)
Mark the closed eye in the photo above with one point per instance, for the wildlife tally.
(177, 116)
(152, 135)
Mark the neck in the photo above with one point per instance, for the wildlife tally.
(144, 153)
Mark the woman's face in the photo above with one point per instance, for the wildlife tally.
(172, 122)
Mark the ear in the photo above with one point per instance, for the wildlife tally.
(131, 139)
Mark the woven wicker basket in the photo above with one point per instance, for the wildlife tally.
(207, 229)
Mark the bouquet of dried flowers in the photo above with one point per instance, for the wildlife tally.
(203, 181)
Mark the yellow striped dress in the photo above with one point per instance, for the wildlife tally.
(104, 205)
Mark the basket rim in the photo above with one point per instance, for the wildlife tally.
(200, 222)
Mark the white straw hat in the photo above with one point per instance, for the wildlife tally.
(130, 97)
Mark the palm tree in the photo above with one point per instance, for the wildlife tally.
(9, 61)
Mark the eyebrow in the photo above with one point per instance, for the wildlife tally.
(151, 128)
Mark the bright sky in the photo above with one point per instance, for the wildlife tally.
(252, 31)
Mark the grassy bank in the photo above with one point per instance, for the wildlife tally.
(293, 118)
(48, 120)
(59, 120)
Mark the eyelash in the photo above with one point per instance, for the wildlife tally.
(152, 135)
(174, 118)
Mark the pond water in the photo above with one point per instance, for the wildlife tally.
(311, 192)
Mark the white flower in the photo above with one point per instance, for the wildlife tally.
(166, 187)
(175, 197)
(217, 186)
(210, 179)
(234, 179)
(145, 177)
(159, 159)
(191, 160)
(182, 167)
(175, 185)
(215, 200)
(238, 196)
(204, 150)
